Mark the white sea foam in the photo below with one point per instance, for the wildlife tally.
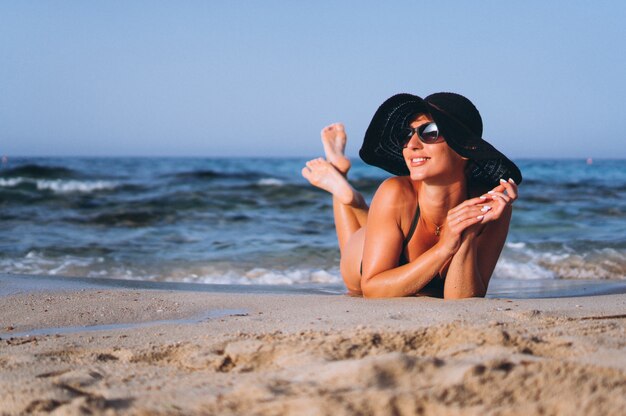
(67, 186)
(510, 269)
(516, 245)
(11, 182)
(270, 182)
(60, 186)
(36, 263)
(528, 263)
(257, 276)
(523, 264)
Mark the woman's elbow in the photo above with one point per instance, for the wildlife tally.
(457, 295)
(370, 290)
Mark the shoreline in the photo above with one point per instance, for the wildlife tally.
(135, 350)
(498, 288)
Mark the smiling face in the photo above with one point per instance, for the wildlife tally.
(435, 162)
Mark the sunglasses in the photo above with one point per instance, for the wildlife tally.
(428, 133)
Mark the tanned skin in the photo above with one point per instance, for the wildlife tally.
(458, 263)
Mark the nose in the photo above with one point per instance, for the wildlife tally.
(414, 142)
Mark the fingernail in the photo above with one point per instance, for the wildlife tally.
(491, 192)
(511, 180)
(485, 208)
(483, 197)
(480, 217)
(502, 180)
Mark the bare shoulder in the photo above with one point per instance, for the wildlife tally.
(395, 188)
(394, 202)
(383, 234)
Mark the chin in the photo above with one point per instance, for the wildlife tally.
(422, 174)
(417, 175)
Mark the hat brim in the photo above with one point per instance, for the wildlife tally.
(382, 145)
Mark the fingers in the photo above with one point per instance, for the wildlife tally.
(467, 212)
(462, 223)
(501, 200)
(507, 199)
(469, 202)
(497, 193)
(466, 216)
(510, 186)
(469, 219)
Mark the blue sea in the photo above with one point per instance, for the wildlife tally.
(257, 221)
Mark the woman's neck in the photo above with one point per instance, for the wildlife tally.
(437, 199)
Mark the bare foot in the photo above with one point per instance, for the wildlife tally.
(334, 141)
(325, 176)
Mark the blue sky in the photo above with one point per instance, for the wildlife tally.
(261, 78)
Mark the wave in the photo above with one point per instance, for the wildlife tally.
(37, 263)
(262, 276)
(518, 262)
(63, 187)
(138, 218)
(39, 171)
(205, 174)
(588, 186)
(559, 261)
(11, 182)
(59, 186)
(285, 191)
(270, 182)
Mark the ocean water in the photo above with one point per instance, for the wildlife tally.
(256, 221)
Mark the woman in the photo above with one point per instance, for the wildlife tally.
(439, 226)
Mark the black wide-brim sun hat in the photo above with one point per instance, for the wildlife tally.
(459, 122)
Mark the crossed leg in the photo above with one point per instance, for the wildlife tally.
(349, 206)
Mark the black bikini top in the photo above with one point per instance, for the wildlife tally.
(416, 217)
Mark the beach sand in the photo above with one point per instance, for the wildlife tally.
(89, 349)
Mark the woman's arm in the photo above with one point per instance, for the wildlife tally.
(382, 277)
(384, 244)
(405, 280)
(472, 266)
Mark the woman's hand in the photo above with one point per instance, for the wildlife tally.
(499, 200)
(469, 217)
(495, 203)
(461, 218)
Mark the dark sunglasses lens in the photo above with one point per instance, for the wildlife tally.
(405, 135)
(429, 133)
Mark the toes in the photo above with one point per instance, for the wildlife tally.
(311, 163)
(315, 163)
(306, 172)
(337, 127)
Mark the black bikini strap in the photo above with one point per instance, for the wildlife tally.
(413, 226)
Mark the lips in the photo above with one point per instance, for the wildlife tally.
(418, 161)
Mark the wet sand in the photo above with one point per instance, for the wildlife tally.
(86, 347)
